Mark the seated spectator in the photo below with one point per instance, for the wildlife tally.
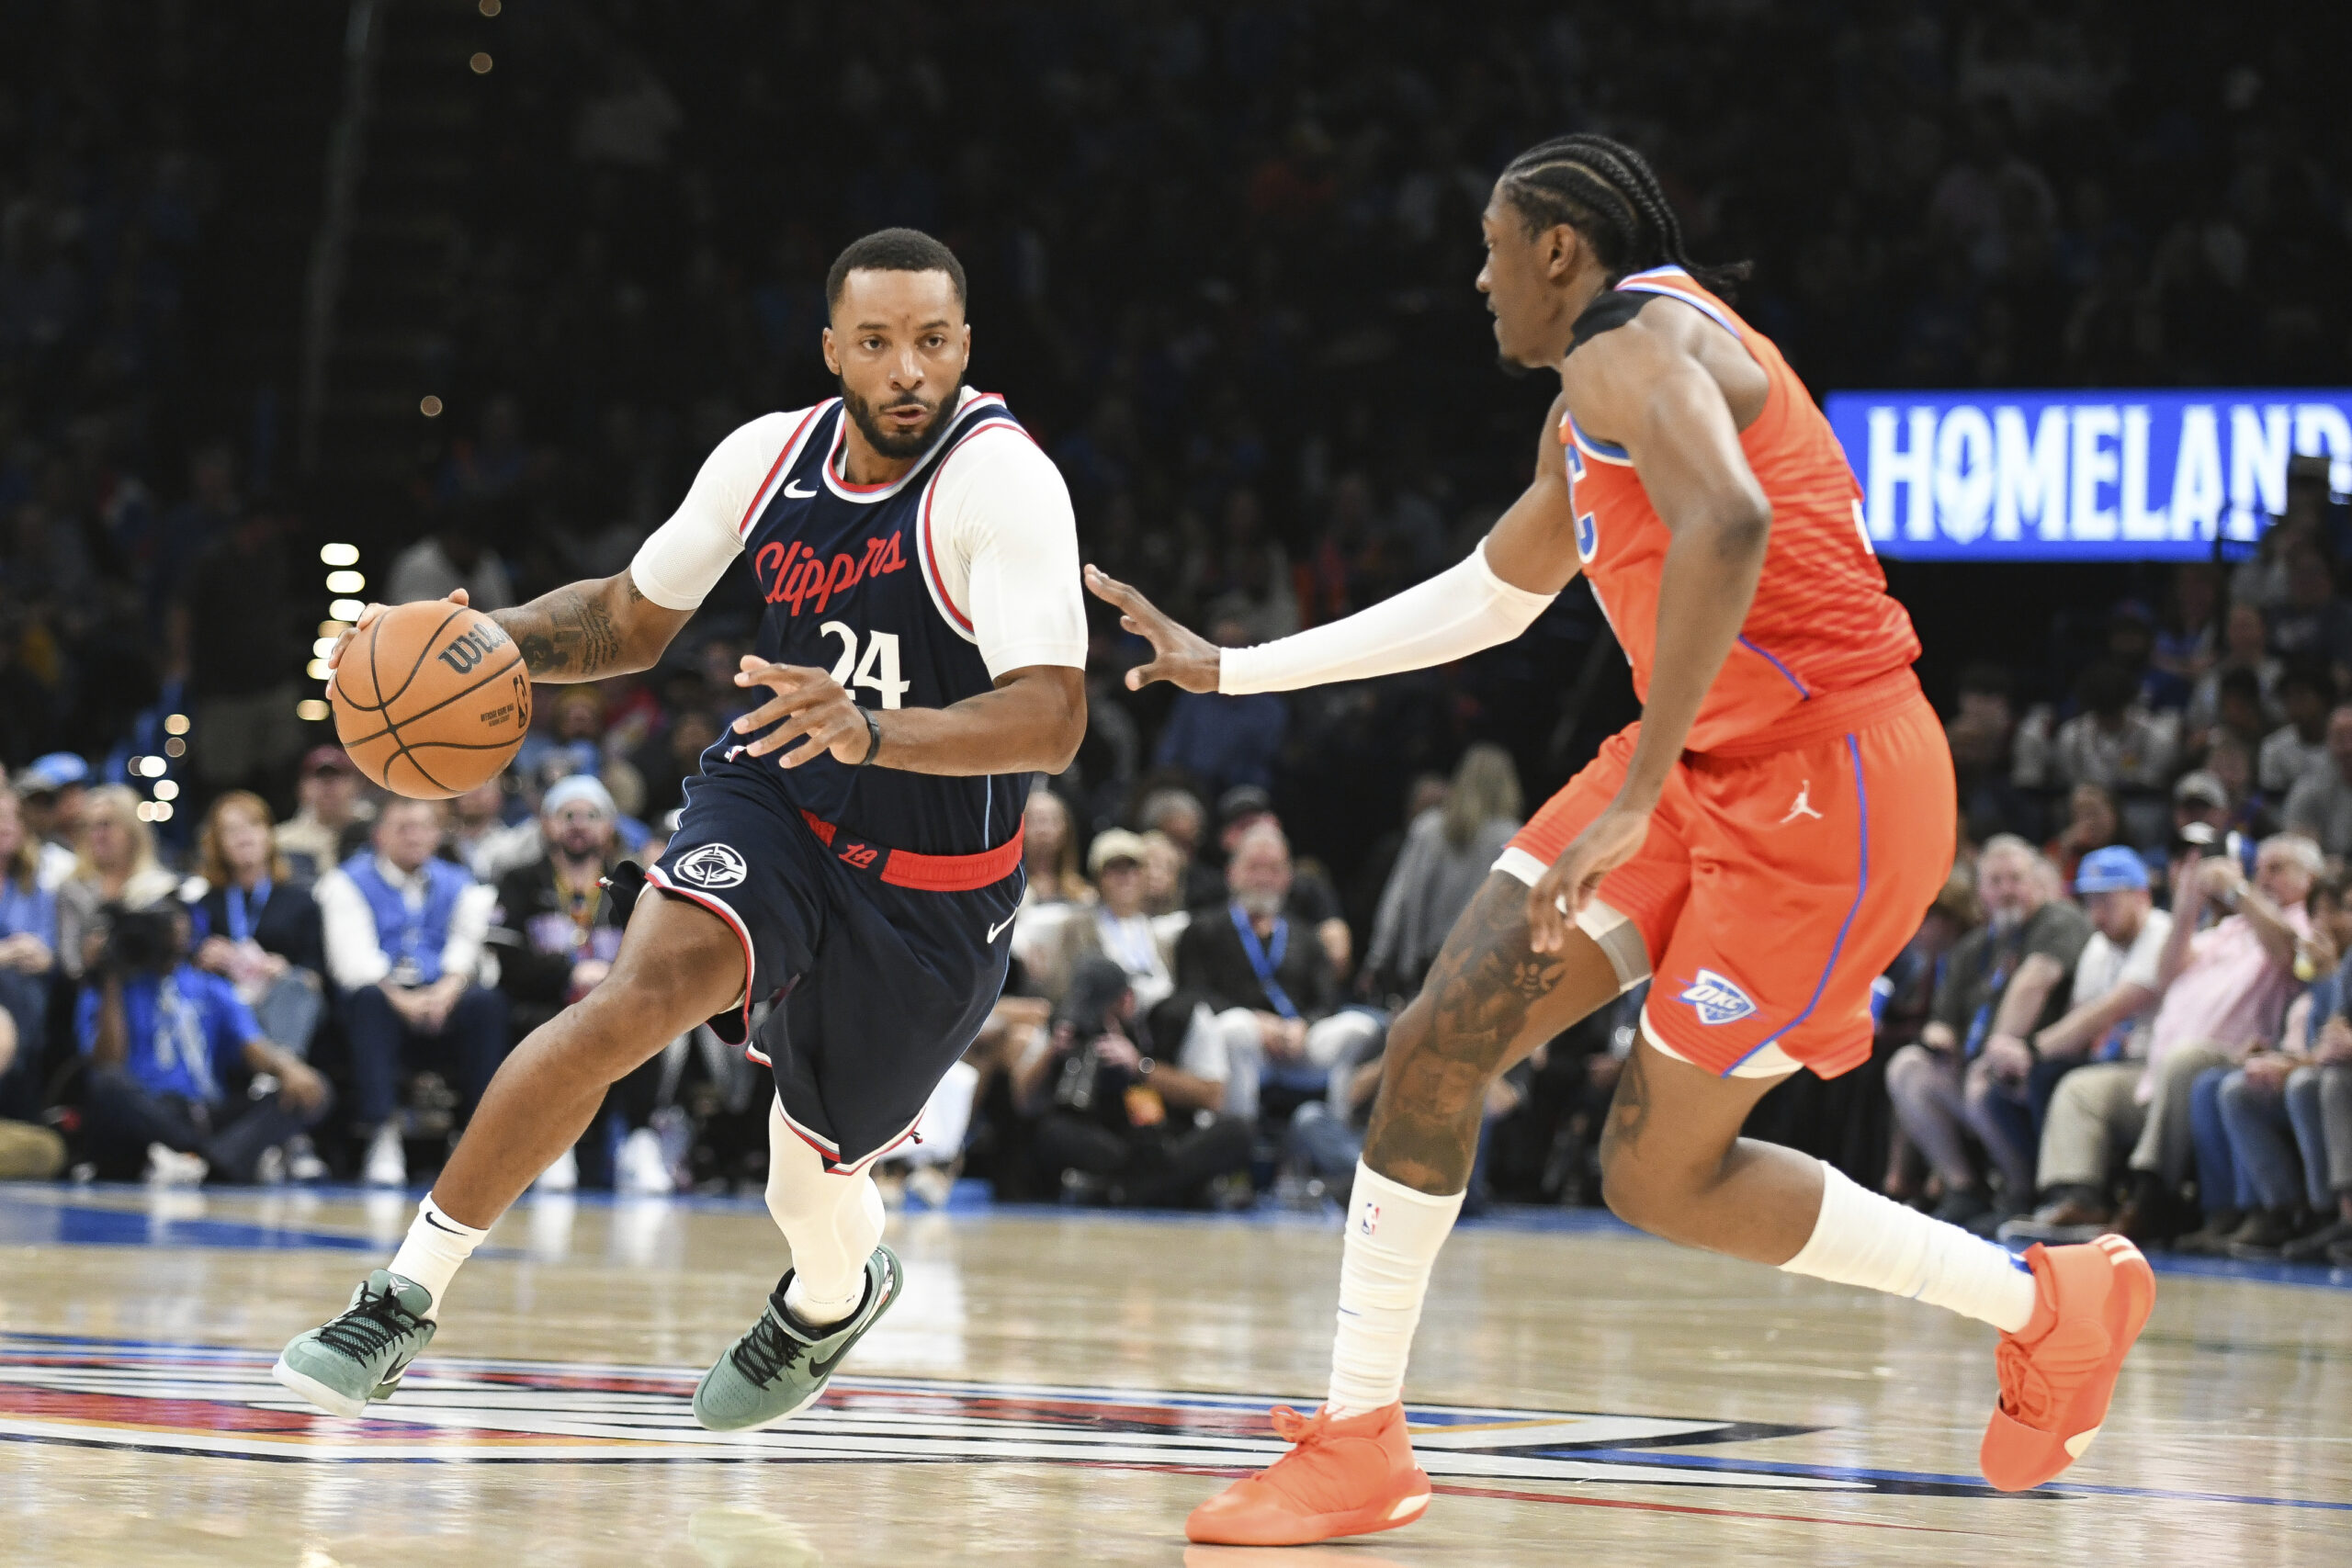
(2263, 1131)
(1123, 1124)
(1447, 853)
(2222, 991)
(1270, 988)
(256, 926)
(556, 935)
(182, 1082)
(2112, 1003)
(116, 866)
(53, 790)
(2319, 1103)
(1999, 987)
(329, 816)
(2113, 741)
(1164, 869)
(440, 563)
(2245, 645)
(2320, 805)
(404, 934)
(1224, 740)
(2092, 823)
(1314, 903)
(1050, 851)
(476, 819)
(1117, 928)
(1176, 814)
(28, 954)
(1908, 989)
(2307, 694)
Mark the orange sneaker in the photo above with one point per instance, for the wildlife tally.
(1345, 1477)
(2058, 1372)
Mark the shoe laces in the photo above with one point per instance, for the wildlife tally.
(373, 1323)
(768, 1349)
(1300, 1430)
(2025, 1388)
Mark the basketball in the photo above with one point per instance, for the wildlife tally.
(431, 699)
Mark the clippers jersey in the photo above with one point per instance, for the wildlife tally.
(1822, 621)
(852, 585)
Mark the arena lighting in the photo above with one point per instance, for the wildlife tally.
(2157, 474)
(317, 670)
(163, 811)
(167, 789)
(489, 8)
(333, 628)
(339, 555)
(175, 747)
(429, 405)
(481, 63)
(144, 811)
(312, 709)
(149, 767)
(321, 648)
(347, 609)
(346, 582)
(176, 724)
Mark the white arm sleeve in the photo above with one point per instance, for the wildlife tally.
(1008, 553)
(1453, 615)
(683, 561)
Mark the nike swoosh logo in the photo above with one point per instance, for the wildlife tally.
(998, 930)
(796, 492)
(437, 1226)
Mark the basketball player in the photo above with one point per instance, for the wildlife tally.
(1762, 843)
(854, 844)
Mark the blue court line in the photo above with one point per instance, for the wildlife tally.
(1848, 1473)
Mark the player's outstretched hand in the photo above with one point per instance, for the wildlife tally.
(808, 703)
(367, 618)
(1560, 894)
(1178, 654)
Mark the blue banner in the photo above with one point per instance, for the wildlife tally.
(2092, 475)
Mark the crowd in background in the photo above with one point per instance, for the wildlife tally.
(1220, 262)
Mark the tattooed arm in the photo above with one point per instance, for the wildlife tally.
(589, 630)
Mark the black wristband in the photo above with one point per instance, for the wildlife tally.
(872, 733)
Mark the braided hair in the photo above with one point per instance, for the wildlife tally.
(1607, 193)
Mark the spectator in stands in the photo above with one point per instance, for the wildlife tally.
(2111, 1005)
(556, 935)
(2245, 645)
(1176, 814)
(1125, 1126)
(2258, 1129)
(2320, 805)
(476, 819)
(53, 791)
(1050, 851)
(330, 814)
(27, 956)
(2306, 694)
(181, 1078)
(1980, 732)
(1224, 740)
(2200, 798)
(1164, 869)
(2113, 741)
(1999, 987)
(2222, 990)
(440, 563)
(404, 934)
(1269, 984)
(116, 866)
(2313, 624)
(255, 925)
(1447, 853)
(1314, 904)
(1117, 928)
(2092, 823)
(2319, 1103)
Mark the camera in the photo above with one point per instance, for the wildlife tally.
(140, 941)
(2206, 838)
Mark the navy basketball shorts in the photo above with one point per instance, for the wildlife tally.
(882, 984)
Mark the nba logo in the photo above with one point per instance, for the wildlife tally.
(1368, 1222)
(1716, 1000)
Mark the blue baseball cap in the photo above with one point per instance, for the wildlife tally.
(2111, 870)
(46, 775)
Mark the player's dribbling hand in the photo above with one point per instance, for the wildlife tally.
(367, 618)
(1560, 894)
(809, 703)
(1180, 656)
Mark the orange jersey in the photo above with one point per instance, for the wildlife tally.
(1822, 621)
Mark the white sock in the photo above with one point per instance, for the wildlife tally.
(832, 1221)
(430, 1253)
(1863, 1239)
(1394, 1234)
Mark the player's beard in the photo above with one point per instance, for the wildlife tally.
(890, 443)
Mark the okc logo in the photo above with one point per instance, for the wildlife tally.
(713, 865)
(1716, 1000)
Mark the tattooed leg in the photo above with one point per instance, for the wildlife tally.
(1488, 1000)
(1672, 1162)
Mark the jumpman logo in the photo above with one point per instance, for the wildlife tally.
(1804, 807)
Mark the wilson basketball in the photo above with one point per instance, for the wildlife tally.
(431, 699)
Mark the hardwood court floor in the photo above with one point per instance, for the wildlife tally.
(1059, 1388)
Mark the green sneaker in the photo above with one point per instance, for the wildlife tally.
(361, 1354)
(777, 1370)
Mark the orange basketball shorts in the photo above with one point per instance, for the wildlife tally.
(1781, 878)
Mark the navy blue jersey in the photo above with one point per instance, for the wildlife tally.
(852, 586)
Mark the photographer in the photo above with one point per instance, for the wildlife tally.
(1149, 1131)
(180, 1077)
